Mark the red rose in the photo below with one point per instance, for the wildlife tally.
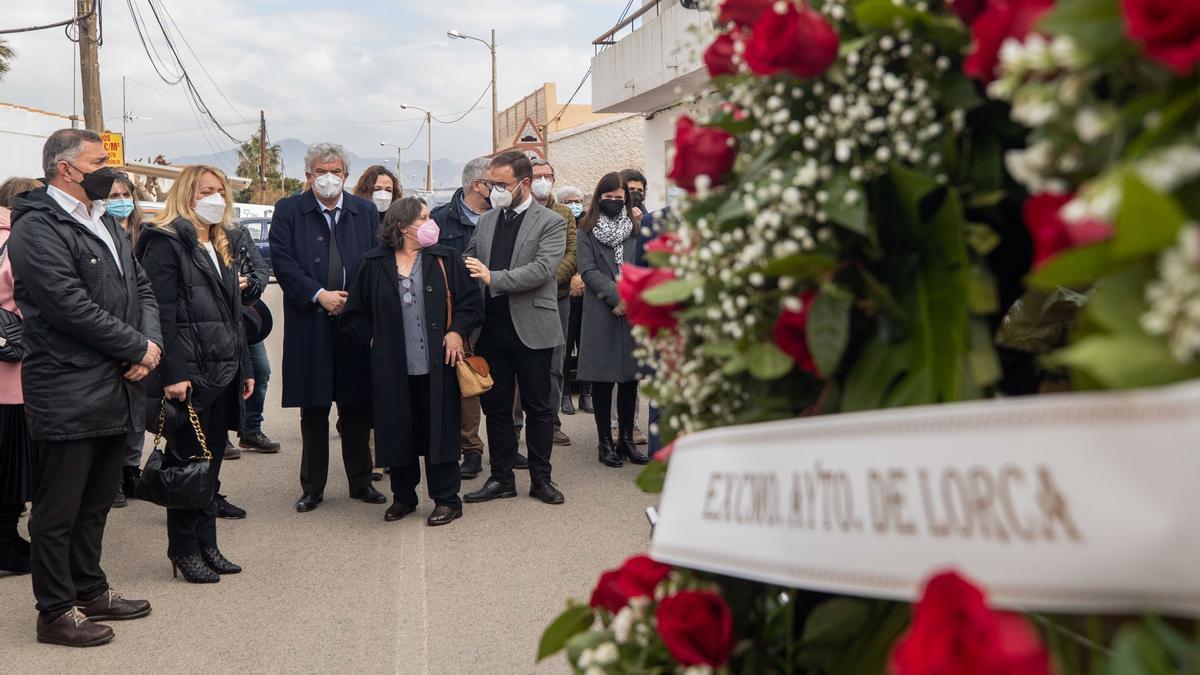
(743, 12)
(1002, 19)
(799, 41)
(791, 335)
(637, 280)
(719, 55)
(701, 151)
(1167, 30)
(968, 10)
(696, 627)
(640, 575)
(606, 594)
(1051, 234)
(667, 242)
(954, 633)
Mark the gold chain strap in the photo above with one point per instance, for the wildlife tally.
(194, 419)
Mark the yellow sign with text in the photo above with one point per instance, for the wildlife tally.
(114, 144)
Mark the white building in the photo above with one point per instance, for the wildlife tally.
(647, 64)
(23, 132)
(582, 154)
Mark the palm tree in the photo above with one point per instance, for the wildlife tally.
(6, 55)
(248, 162)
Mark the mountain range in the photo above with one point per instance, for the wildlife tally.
(446, 173)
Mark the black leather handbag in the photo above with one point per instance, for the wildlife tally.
(187, 486)
(10, 327)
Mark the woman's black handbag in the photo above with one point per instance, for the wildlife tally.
(10, 327)
(188, 486)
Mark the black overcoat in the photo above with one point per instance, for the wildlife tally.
(373, 317)
(299, 239)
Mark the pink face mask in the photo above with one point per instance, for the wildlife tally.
(428, 233)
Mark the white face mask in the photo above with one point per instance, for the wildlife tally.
(541, 187)
(328, 185)
(501, 198)
(382, 199)
(211, 209)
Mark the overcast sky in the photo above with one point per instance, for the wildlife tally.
(336, 70)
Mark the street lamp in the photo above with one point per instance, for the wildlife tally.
(429, 144)
(458, 35)
(399, 162)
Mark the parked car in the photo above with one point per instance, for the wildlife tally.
(259, 227)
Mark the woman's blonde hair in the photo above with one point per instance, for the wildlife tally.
(179, 205)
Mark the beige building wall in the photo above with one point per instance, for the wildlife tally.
(582, 154)
(540, 106)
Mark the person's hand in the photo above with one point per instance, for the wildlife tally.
(136, 372)
(619, 310)
(478, 270)
(177, 391)
(152, 356)
(454, 348)
(243, 282)
(637, 215)
(248, 388)
(333, 301)
(577, 286)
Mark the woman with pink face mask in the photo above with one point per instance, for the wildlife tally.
(412, 302)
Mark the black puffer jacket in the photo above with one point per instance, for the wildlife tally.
(200, 313)
(86, 320)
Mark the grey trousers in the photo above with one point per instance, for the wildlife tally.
(134, 442)
(557, 377)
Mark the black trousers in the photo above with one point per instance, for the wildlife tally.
(513, 364)
(190, 530)
(602, 394)
(76, 484)
(355, 425)
(443, 477)
(571, 350)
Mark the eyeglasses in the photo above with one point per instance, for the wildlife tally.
(407, 298)
(502, 186)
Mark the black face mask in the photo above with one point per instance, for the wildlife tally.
(611, 207)
(97, 184)
(636, 199)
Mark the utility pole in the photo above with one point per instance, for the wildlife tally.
(262, 157)
(429, 151)
(400, 168)
(495, 98)
(89, 65)
(124, 121)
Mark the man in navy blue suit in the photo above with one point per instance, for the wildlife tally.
(317, 240)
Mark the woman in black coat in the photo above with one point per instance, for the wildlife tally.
(187, 256)
(398, 306)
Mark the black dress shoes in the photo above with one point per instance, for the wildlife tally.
(443, 515)
(120, 501)
(227, 510)
(522, 462)
(110, 606)
(370, 495)
(397, 511)
(472, 465)
(231, 450)
(627, 448)
(607, 451)
(257, 441)
(492, 489)
(376, 476)
(546, 492)
(309, 502)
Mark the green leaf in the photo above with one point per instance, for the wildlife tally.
(723, 349)
(981, 238)
(1096, 25)
(885, 16)
(982, 297)
(880, 294)
(1074, 267)
(851, 214)
(588, 639)
(985, 164)
(837, 620)
(982, 360)
(732, 210)
(1119, 300)
(576, 619)
(652, 477)
(828, 331)
(737, 363)
(768, 362)
(1147, 221)
(800, 265)
(1125, 361)
(959, 92)
(671, 292)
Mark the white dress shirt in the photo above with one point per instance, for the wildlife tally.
(92, 219)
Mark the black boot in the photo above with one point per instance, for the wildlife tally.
(607, 452)
(194, 570)
(568, 407)
(14, 551)
(585, 397)
(627, 449)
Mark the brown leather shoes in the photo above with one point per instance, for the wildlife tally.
(73, 629)
(112, 607)
(443, 515)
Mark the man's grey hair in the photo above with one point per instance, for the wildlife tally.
(542, 162)
(325, 152)
(476, 169)
(566, 192)
(65, 144)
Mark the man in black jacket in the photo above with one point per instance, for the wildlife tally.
(91, 333)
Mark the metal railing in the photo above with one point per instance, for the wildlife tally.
(607, 39)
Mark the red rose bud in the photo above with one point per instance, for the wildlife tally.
(742, 12)
(633, 283)
(719, 55)
(697, 628)
(1168, 31)
(1002, 19)
(799, 41)
(1052, 234)
(606, 595)
(953, 632)
(640, 575)
(701, 151)
(791, 335)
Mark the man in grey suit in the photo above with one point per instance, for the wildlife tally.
(516, 251)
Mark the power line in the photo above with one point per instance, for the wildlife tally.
(469, 110)
(415, 137)
(199, 62)
(563, 110)
(57, 24)
(147, 46)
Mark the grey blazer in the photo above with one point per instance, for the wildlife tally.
(529, 280)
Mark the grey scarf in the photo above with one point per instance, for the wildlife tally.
(613, 233)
